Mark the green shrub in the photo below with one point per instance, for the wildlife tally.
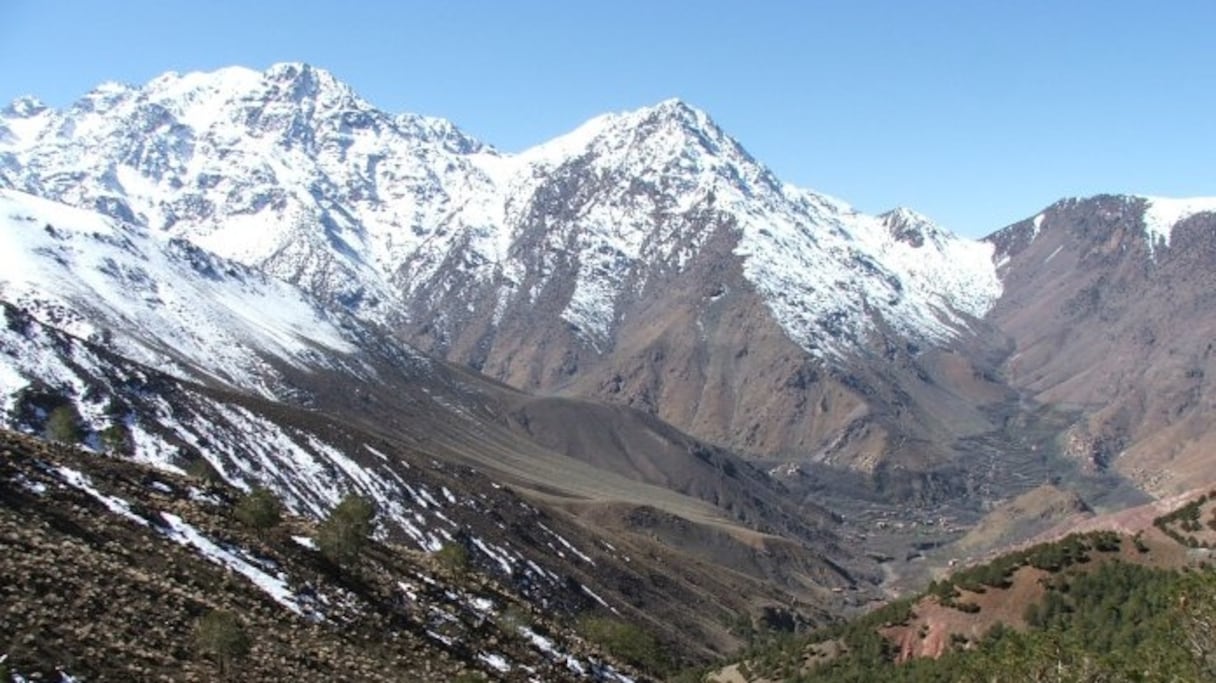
(625, 641)
(453, 557)
(259, 509)
(344, 533)
(65, 425)
(201, 469)
(117, 439)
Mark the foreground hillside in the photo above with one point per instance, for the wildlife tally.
(110, 568)
(1100, 606)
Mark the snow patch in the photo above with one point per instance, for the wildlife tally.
(274, 586)
(495, 661)
(1161, 215)
(118, 506)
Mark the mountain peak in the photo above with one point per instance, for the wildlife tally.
(293, 81)
(677, 111)
(673, 106)
(103, 97)
(902, 214)
(24, 107)
(304, 81)
(912, 227)
(293, 71)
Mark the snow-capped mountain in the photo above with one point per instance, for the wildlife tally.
(248, 269)
(557, 268)
(291, 171)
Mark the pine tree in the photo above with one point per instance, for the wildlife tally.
(346, 530)
(117, 439)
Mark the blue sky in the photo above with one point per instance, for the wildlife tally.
(977, 113)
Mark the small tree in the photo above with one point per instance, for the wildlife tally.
(453, 557)
(198, 467)
(220, 635)
(259, 509)
(64, 424)
(117, 439)
(345, 531)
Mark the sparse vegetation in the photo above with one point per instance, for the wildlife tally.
(259, 509)
(344, 533)
(453, 557)
(1097, 621)
(1187, 519)
(626, 641)
(100, 598)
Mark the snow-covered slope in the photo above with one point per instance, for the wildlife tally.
(160, 301)
(93, 311)
(291, 171)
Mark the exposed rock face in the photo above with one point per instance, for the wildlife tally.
(1108, 301)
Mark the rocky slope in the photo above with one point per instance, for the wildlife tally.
(109, 568)
(1107, 301)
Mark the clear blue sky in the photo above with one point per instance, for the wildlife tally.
(975, 112)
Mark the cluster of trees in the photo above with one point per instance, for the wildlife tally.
(1187, 519)
(64, 424)
(1113, 621)
(1052, 557)
(341, 536)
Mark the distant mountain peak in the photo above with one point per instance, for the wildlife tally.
(24, 107)
(903, 214)
(912, 227)
(307, 81)
(677, 112)
(674, 108)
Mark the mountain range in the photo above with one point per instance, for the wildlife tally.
(636, 329)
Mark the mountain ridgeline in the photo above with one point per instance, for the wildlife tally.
(628, 371)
